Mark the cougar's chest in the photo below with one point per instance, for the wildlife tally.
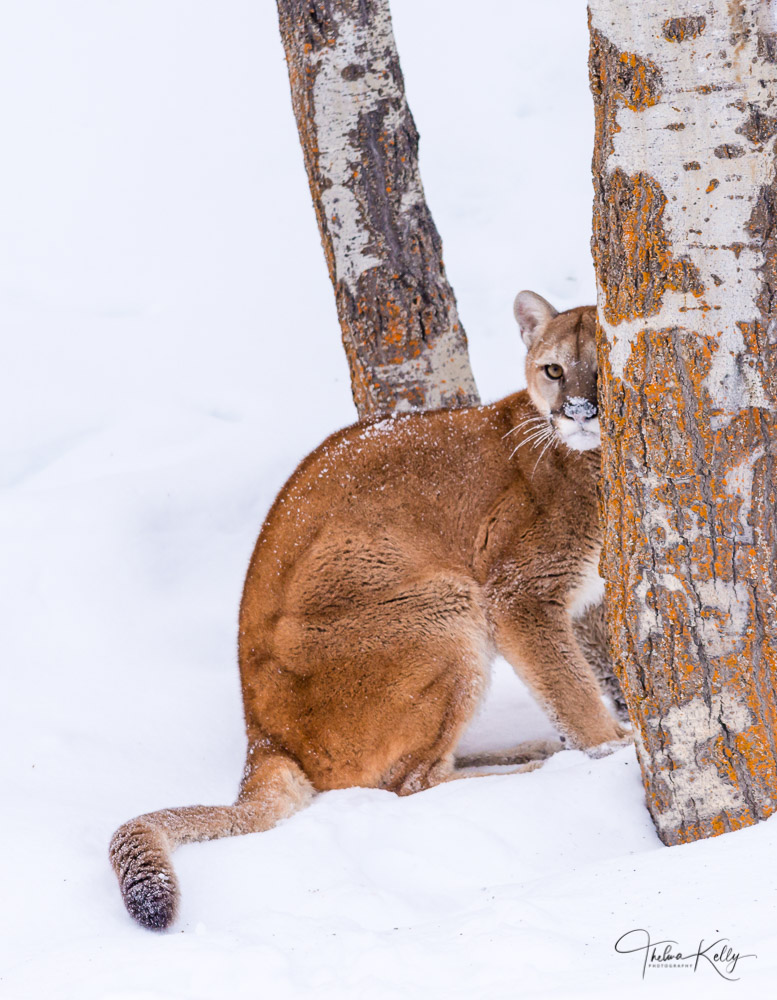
(581, 538)
(588, 586)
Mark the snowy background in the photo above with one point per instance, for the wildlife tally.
(159, 268)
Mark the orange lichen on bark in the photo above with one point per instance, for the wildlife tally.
(617, 78)
(630, 247)
(679, 523)
(632, 252)
(677, 29)
(689, 491)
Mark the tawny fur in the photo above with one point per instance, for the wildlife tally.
(396, 561)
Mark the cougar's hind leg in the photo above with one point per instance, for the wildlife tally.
(590, 630)
(523, 753)
(488, 770)
(376, 692)
(519, 760)
(273, 788)
(448, 703)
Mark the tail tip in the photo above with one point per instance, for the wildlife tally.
(140, 856)
(152, 901)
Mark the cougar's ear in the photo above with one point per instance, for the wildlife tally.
(532, 313)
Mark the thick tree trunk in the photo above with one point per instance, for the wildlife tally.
(684, 245)
(405, 343)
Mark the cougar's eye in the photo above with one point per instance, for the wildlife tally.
(554, 371)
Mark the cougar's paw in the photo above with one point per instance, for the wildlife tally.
(410, 775)
(604, 749)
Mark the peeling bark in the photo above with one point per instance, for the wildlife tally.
(403, 338)
(685, 249)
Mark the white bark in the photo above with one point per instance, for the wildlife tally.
(401, 330)
(685, 242)
(710, 86)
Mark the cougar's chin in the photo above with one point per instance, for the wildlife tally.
(579, 437)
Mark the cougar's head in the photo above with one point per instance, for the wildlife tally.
(561, 367)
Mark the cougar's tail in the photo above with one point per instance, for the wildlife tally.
(273, 788)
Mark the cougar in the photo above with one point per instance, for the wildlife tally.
(400, 556)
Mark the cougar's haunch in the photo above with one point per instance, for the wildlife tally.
(398, 559)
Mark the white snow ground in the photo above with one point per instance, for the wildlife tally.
(170, 351)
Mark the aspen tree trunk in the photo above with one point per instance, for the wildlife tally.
(405, 344)
(685, 244)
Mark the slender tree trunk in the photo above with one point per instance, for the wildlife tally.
(405, 344)
(684, 244)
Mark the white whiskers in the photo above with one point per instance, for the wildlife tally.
(552, 441)
(536, 419)
(538, 438)
(540, 432)
(534, 440)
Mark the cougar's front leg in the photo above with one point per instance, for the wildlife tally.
(537, 639)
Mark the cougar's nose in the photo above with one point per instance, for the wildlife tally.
(579, 409)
